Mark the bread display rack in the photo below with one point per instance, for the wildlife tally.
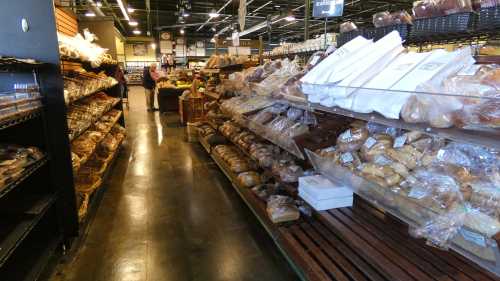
(377, 226)
(38, 204)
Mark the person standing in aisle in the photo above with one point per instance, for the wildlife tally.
(150, 76)
(171, 62)
(122, 82)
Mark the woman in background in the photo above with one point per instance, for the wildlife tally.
(150, 76)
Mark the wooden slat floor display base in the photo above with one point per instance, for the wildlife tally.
(360, 243)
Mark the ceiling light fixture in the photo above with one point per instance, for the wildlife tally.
(136, 31)
(130, 9)
(98, 4)
(186, 14)
(214, 29)
(182, 31)
(153, 46)
(290, 16)
(213, 14)
(133, 23)
(90, 14)
(122, 8)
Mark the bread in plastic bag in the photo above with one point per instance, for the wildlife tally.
(425, 9)
(449, 7)
(352, 139)
(282, 209)
(382, 19)
(347, 27)
(401, 17)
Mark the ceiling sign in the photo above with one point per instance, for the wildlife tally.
(328, 8)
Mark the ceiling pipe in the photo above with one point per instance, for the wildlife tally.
(148, 13)
(218, 12)
(96, 9)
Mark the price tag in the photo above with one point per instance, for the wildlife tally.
(330, 149)
(417, 192)
(346, 136)
(370, 142)
(473, 237)
(315, 60)
(346, 158)
(400, 141)
(441, 153)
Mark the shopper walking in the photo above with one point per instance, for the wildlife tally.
(150, 76)
(122, 82)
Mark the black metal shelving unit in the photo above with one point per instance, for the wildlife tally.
(38, 212)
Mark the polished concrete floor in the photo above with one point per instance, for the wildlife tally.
(170, 214)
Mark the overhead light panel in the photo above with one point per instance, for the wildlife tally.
(122, 8)
(136, 31)
(98, 4)
(130, 9)
(90, 14)
(186, 14)
(133, 23)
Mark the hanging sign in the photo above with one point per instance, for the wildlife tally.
(328, 8)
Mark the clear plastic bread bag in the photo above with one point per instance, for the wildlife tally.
(382, 19)
(347, 27)
(294, 113)
(401, 17)
(425, 9)
(449, 7)
(441, 229)
(281, 209)
(309, 118)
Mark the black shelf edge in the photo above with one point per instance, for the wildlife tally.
(9, 64)
(485, 138)
(23, 228)
(20, 118)
(26, 174)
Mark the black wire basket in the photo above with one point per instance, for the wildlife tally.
(450, 25)
(345, 37)
(488, 19)
(403, 29)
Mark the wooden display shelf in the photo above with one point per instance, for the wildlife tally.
(357, 243)
(97, 119)
(106, 133)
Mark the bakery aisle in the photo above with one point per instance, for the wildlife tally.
(170, 214)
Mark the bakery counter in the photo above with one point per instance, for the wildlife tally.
(473, 237)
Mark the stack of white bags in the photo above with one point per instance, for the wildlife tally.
(323, 194)
(365, 76)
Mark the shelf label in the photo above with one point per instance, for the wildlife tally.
(346, 158)
(315, 60)
(473, 237)
(370, 142)
(417, 192)
(400, 141)
(346, 136)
